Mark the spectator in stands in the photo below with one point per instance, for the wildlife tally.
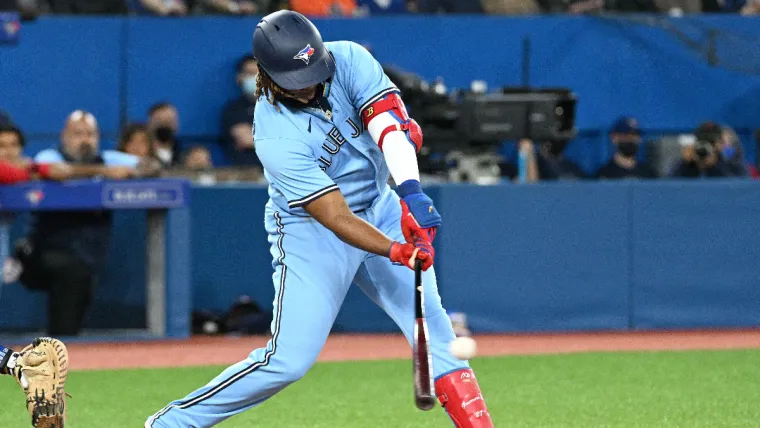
(232, 7)
(553, 165)
(704, 158)
(733, 154)
(510, 7)
(15, 168)
(89, 7)
(750, 7)
(65, 251)
(159, 7)
(163, 123)
(136, 140)
(449, 6)
(312, 8)
(237, 117)
(375, 7)
(198, 158)
(626, 136)
(11, 143)
(596, 6)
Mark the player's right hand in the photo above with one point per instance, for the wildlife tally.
(406, 254)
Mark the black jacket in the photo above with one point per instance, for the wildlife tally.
(85, 234)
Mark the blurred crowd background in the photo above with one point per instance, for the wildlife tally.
(373, 7)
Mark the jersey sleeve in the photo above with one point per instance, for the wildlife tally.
(367, 80)
(293, 171)
(48, 156)
(112, 157)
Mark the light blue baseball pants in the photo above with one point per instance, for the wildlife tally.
(313, 271)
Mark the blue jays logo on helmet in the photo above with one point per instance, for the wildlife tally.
(305, 54)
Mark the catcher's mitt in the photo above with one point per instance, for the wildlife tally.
(41, 371)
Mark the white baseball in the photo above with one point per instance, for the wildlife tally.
(210, 327)
(463, 348)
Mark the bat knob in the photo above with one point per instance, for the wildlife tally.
(424, 403)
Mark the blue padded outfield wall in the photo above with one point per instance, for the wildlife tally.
(614, 66)
(545, 257)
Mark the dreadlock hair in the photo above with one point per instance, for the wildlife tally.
(266, 86)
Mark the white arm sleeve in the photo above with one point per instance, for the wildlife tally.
(400, 154)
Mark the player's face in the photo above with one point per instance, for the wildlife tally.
(10, 147)
(80, 139)
(303, 95)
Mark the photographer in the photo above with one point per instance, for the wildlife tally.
(703, 158)
(65, 250)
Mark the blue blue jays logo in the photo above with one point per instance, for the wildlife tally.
(305, 54)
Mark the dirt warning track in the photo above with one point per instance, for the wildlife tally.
(200, 351)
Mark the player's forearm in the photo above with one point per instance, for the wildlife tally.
(332, 212)
(356, 232)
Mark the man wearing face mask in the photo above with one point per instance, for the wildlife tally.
(237, 118)
(626, 136)
(163, 121)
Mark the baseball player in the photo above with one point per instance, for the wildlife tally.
(40, 369)
(330, 129)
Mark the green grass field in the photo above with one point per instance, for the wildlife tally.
(662, 389)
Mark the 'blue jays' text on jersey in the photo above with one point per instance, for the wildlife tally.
(307, 152)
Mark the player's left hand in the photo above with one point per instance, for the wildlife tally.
(419, 218)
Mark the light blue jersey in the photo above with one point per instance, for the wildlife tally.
(306, 154)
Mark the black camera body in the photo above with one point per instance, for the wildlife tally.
(703, 149)
(515, 113)
(464, 119)
(707, 135)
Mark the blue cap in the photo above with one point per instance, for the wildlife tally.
(626, 125)
(289, 49)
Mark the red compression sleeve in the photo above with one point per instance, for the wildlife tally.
(10, 173)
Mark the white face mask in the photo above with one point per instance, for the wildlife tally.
(164, 154)
(249, 85)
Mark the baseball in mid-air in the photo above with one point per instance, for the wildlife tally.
(463, 348)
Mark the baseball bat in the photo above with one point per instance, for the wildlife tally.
(423, 364)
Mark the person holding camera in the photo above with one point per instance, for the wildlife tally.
(703, 158)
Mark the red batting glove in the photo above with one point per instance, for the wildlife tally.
(406, 254)
(410, 227)
(422, 238)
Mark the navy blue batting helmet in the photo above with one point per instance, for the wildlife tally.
(289, 49)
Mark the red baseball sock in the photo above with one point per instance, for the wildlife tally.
(460, 395)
